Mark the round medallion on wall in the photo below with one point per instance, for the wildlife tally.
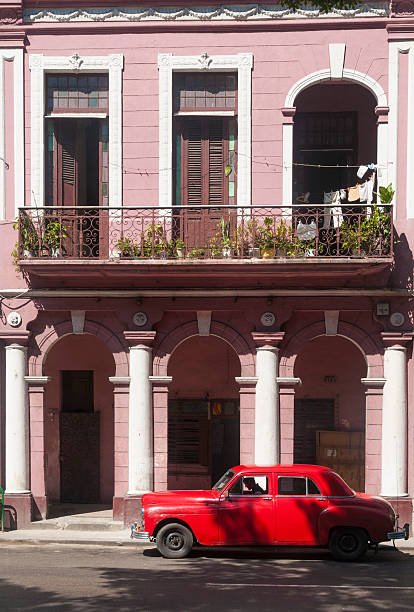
(14, 319)
(268, 319)
(397, 319)
(139, 319)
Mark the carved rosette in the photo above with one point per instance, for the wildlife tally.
(402, 8)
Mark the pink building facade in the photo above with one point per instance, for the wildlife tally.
(195, 272)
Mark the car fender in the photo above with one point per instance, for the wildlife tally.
(371, 520)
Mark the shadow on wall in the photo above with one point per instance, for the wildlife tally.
(402, 275)
(10, 518)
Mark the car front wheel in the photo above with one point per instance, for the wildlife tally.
(174, 541)
(348, 543)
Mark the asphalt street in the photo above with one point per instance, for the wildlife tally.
(51, 577)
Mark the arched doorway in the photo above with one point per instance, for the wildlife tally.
(329, 419)
(203, 412)
(79, 431)
(334, 126)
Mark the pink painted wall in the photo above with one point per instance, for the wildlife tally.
(83, 352)
(204, 365)
(338, 357)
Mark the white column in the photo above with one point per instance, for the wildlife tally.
(266, 436)
(140, 477)
(17, 421)
(394, 423)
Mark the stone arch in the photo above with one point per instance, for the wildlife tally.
(369, 349)
(321, 76)
(352, 76)
(50, 335)
(164, 349)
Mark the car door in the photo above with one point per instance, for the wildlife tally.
(298, 505)
(246, 515)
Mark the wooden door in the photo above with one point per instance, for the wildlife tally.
(79, 439)
(202, 154)
(311, 415)
(77, 176)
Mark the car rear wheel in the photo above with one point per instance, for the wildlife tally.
(174, 541)
(348, 543)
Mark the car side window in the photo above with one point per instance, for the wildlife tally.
(291, 485)
(250, 485)
(313, 489)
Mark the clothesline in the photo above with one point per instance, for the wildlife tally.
(374, 166)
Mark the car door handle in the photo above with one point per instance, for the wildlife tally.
(268, 498)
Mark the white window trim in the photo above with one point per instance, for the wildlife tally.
(40, 64)
(15, 56)
(243, 63)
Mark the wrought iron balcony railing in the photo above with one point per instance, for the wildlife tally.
(174, 233)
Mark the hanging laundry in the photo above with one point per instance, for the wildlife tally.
(334, 212)
(353, 193)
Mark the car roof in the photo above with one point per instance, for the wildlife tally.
(297, 467)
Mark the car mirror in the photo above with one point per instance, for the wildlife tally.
(225, 495)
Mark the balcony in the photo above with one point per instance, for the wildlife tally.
(296, 245)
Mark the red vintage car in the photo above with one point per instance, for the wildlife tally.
(273, 505)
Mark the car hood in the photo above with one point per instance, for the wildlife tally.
(178, 497)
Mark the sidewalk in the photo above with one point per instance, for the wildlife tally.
(119, 537)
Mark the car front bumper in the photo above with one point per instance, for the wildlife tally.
(137, 534)
(402, 533)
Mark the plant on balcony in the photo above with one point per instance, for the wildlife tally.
(371, 236)
(177, 248)
(128, 248)
(225, 237)
(154, 242)
(53, 236)
(196, 253)
(266, 238)
(215, 248)
(28, 244)
(386, 194)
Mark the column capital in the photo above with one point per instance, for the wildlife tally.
(143, 338)
(15, 336)
(396, 340)
(246, 381)
(119, 380)
(160, 381)
(37, 381)
(267, 339)
(288, 113)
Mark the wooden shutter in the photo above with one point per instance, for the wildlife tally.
(194, 178)
(65, 171)
(216, 163)
(204, 159)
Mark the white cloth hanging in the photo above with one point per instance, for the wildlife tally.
(332, 212)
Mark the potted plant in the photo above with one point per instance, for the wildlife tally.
(386, 194)
(267, 239)
(196, 253)
(372, 235)
(154, 242)
(53, 236)
(180, 248)
(225, 237)
(29, 239)
(215, 248)
(128, 248)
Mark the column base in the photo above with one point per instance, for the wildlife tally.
(127, 509)
(18, 508)
(404, 507)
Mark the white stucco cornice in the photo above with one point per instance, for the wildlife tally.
(224, 12)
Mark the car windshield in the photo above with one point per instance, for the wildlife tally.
(220, 484)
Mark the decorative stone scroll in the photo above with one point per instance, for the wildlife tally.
(202, 13)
